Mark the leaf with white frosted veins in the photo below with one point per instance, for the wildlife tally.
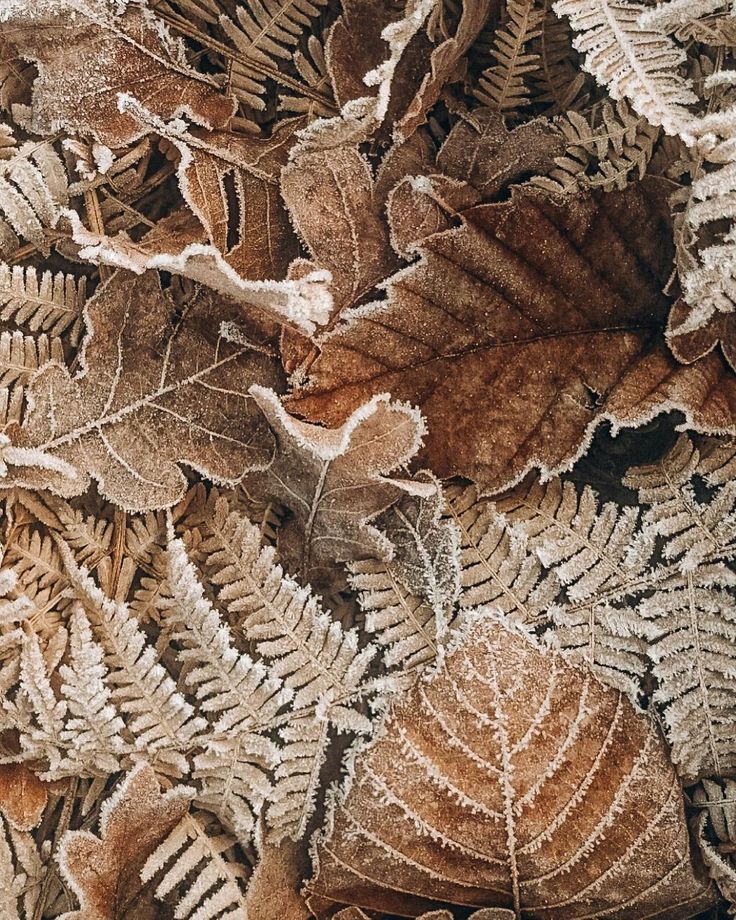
(154, 391)
(553, 797)
(504, 329)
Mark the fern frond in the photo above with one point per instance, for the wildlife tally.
(92, 729)
(632, 62)
(557, 82)
(41, 736)
(266, 31)
(297, 777)
(694, 531)
(716, 803)
(403, 624)
(695, 667)
(52, 303)
(157, 716)
(497, 567)
(21, 873)
(312, 68)
(33, 190)
(501, 86)
(205, 883)
(603, 150)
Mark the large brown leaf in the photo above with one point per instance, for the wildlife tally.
(511, 332)
(88, 55)
(154, 391)
(512, 779)
(104, 872)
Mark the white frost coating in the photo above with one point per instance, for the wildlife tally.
(304, 303)
(30, 456)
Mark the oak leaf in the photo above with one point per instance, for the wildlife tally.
(511, 332)
(511, 779)
(88, 53)
(154, 391)
(334, 481)
(105, 872)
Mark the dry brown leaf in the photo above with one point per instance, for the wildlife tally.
(104, 872)
(23, 796)
(480, 150)
(88, 55)
(273, 889)
(552, 797)
(690, 346)
(153, 392)
(330, 195)
(511, 332)
(334, 481)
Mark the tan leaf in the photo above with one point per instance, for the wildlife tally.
(88, 55)
(511, 332)
(105, 872)
(511, 779)
(153, 392)
(694, 344)
(330, 196)
(23, 796)
(273, 889)
(333, 481)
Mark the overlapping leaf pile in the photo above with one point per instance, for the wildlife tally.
(326, 592)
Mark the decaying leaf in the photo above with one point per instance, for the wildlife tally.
(511, 779)
(23, 796)
(333, 481)
(88, 52)
(105, 872)
(541, 308)
(154, 391)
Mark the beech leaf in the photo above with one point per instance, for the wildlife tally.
(153, 392)
(511, 779)
(23, 796)
(510, 333)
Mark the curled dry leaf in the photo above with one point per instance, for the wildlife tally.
(154, 391)
(88, 53)
(105, 872)
(23, 796)
(511, 332)
(548, 797)
(334, 481)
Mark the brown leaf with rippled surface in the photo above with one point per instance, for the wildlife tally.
(552, 797)
(105, 871)
(155, 391)
(511, 332)
(334, 481)
(88, 54)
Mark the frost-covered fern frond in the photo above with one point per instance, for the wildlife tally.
(694, 657)
(502, 86)
(716, 831)
(632, 62)
(193, 866)
(21, 873)
(157, 715)
(33, 191)
(695, 531)
(266, 31)
(51, 303)
(497, 567)
(403, 624)
(20, 357)
(237, 694)
(603, 150)
(672, 15)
